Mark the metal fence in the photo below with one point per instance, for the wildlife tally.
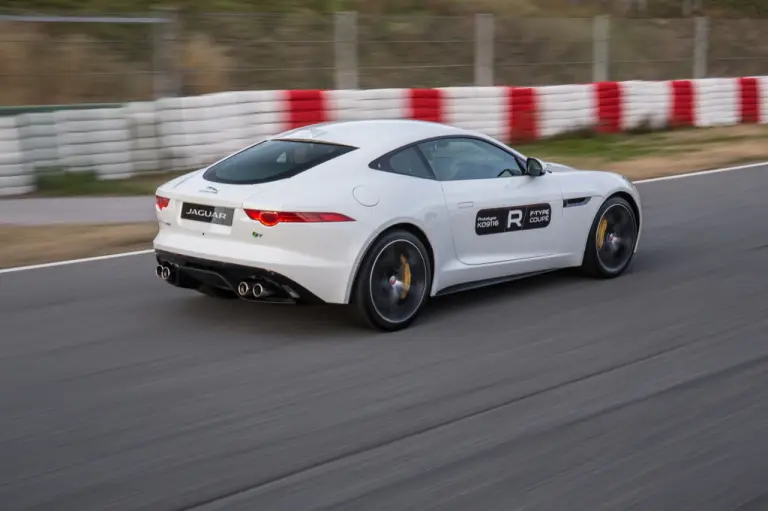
(71, 60)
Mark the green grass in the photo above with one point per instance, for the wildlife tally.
(607, 147)
(63, 184)
(627, 146)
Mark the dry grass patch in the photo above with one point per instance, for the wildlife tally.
(716, 156)
(23, 245)
(716, 134)
(659, 154)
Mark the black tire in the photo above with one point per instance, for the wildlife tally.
(216, 292)
(614, 256)
(389, 291)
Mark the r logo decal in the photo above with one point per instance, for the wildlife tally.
(517, 218)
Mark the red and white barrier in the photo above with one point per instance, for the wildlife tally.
(191, 132)
(530, 113)
(509, 113)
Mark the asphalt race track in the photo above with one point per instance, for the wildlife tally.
(649, 392)
(77, 210)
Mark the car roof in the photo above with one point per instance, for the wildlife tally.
(379, 135)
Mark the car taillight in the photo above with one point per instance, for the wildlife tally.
(272, 218)
(162, 202)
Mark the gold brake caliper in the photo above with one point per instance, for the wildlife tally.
(601, 233)
(406, 277)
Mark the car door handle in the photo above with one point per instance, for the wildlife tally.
(466, 204)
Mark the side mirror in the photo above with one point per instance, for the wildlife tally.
(534, 167)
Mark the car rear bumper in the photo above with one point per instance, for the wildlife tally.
(226, 263)
(189, 271)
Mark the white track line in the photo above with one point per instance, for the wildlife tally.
(144, 252)
(76, 261)
(703, 172)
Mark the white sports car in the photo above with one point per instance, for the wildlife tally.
(384, 214)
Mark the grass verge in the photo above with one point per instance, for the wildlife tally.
(68, 184)
(24, 245)
(658, 154)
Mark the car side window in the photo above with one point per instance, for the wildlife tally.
(407, 162)
(458, 159)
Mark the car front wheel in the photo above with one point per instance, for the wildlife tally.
(611, 243)
(394, 281)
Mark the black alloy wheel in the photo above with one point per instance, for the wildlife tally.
(612, 240)
(394, 281)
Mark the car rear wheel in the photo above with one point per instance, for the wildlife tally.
(611, 243)
(394, 280)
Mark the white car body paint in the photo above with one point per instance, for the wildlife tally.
(324, 257)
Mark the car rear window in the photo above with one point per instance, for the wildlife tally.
(273, 160)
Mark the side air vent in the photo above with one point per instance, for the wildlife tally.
(579, 201)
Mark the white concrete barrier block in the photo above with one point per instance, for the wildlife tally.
(564, 108)
(718, 102)
(645, 103)
(15, 185)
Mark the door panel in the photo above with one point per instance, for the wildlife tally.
(497, 212)
(509, 218)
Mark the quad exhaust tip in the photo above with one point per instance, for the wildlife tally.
(163, 272)
(259, 291)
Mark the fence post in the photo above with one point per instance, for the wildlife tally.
(600, 44)
(484, 50)
(701, 47)
(635, 6)
(345, 49)
(691, 7)
(165, 74)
